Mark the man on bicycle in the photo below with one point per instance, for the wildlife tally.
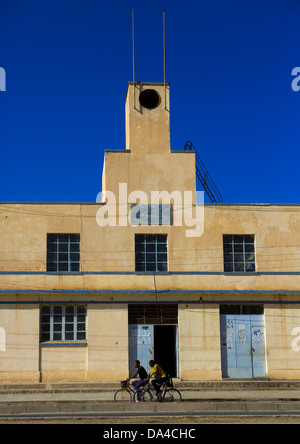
(142, 376)
(160, 377)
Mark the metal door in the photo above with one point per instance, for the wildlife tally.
(243, 346)
(141, 345)
(258, 351)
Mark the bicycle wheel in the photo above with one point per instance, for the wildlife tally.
(123, 395)
(172, 395)
(143, 396)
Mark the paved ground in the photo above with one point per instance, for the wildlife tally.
(86, 404)
(189, 396)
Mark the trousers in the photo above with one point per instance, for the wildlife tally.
(138, 383)
(157, 383)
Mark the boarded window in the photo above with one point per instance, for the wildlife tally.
(154, 214)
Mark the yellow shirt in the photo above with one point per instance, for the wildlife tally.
(158, 372)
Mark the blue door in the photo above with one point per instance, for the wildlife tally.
(243, 346)
(141, 345)
(258, 351)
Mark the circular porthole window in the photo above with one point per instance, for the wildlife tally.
(149, 99)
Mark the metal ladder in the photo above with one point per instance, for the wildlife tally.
(203, 175)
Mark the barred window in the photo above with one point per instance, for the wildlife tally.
(63, 323)
(160, 314)
(63, 252)
(239, 253)
(230, 309)
(151, 252)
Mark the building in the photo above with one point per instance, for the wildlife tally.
(86, 289)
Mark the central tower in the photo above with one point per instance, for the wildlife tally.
(147, 109)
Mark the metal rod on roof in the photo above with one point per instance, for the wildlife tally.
(164, 33)
(133, 55)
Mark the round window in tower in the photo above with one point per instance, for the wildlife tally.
(149, 99)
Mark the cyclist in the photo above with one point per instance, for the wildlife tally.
(160, 377)
(142, 376)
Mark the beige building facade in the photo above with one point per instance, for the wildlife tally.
(210, 291)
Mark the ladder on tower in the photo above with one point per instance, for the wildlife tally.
(203, 175)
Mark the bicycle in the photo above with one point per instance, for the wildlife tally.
(168, 393)
(143, 394)
(125, 393)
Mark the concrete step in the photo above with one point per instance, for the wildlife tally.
(196, 406)
(193, 401)
(95, 387)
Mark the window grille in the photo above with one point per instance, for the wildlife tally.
(153, 314)
(63, 252)
(63, 323)
(239, 253)
(151, 252)
(251, 309)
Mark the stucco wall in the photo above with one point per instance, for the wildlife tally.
(19, 357)
(108, 342)
(199, 342)
(283, 341)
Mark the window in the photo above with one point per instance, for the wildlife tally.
(154, 214)
(239, 253)
(153, 314)
(151, 252)
(241, 309)
(63, 252)
(63, 323)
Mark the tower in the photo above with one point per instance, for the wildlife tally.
(147, 109)
(147, 163)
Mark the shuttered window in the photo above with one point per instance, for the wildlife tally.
(153, 314)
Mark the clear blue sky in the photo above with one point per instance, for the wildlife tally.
(229, 63)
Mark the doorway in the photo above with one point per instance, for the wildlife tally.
(165, 348)
(153, 334)
(243, 342)
(157, 342)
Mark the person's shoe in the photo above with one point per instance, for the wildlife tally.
(137, 400)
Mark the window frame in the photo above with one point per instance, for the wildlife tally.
(63, 322)
(69, 247)
(147, 252)
(237, 250)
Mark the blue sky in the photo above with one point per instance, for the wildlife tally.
(229, 64)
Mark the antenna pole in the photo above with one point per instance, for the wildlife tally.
(164, 33)
(133, 55)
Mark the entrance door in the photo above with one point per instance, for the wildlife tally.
(141, 346)
(243, 346)
(158, 342)
(153, 334)
(258, 351)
